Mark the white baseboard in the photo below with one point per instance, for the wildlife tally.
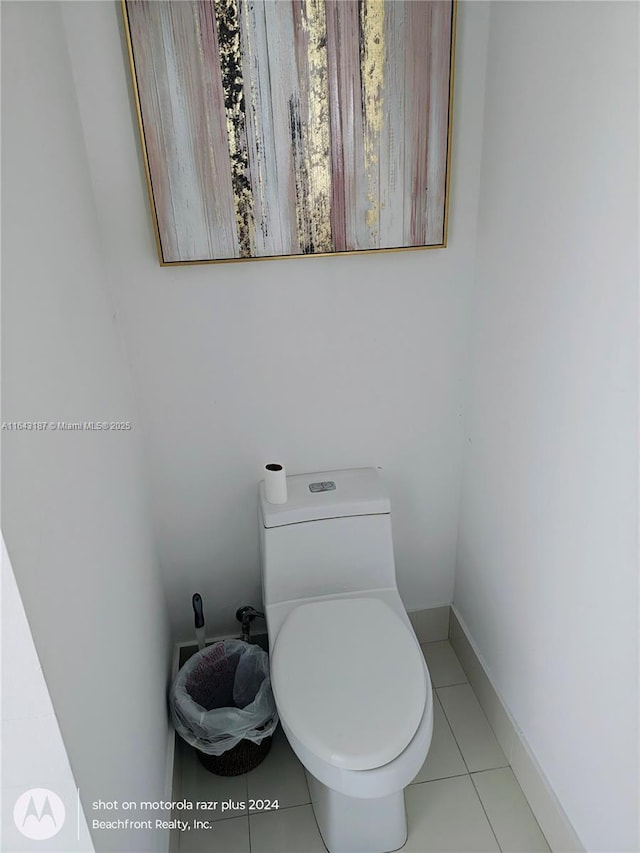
(555, 824)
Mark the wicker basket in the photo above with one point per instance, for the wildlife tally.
(241, 758)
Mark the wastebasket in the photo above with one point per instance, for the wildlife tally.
(221, 704)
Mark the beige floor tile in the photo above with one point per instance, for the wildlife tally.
(447, 809)
(444, 666)
(224, 836)
(444, 758)
(446, 815)
(199, 785)
(431, 625)
(477, 742)
(286, 831)
(280, 776)
(511, 818)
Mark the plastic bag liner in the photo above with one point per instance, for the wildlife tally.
(222, 695)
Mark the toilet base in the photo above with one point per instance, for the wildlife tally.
(353, 825)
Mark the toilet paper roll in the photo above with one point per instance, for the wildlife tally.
(275, 483)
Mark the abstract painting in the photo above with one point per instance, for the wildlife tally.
(276, 128)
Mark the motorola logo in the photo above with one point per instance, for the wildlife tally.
(39, 814)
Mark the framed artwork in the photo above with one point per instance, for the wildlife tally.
(274, 128)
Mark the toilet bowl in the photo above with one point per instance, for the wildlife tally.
(349, 679)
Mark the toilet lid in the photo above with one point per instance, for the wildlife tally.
(349, 680)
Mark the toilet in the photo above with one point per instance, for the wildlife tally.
(349, 679)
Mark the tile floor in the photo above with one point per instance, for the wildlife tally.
(465, 798)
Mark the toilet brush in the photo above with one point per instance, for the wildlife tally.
(199, 619)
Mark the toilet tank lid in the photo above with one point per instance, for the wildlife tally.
(358, 491)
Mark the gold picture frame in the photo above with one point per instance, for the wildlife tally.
(293, 128)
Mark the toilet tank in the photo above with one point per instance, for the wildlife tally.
(333, 536)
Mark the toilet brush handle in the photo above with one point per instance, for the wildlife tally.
(199, 619)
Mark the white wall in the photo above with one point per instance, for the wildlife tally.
(336, 362)
(75, 507)
(33, 753)
(547, 571)
(317, 362)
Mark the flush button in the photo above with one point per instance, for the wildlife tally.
(326, 486)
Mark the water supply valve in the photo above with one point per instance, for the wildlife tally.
(246, 615)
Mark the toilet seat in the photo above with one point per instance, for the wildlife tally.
(349, 680)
